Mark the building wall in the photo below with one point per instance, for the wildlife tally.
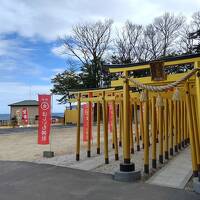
(71, 116)
(32, 112)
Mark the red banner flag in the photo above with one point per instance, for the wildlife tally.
(110, 116)
(86, 122)
(25, 116)
(44, 119)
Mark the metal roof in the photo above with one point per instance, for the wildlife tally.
(172, 58)
(25, 103)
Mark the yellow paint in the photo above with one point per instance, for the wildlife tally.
(147, 66)
(71, 116)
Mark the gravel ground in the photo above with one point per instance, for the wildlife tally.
(21, 144)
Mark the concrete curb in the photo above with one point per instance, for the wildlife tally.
(196, 185)
(127, 176)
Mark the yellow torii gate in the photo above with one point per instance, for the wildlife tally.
(160, 118)
(192, 82)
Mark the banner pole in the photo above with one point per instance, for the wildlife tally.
(51, 121)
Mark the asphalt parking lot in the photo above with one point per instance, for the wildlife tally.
(23, 180)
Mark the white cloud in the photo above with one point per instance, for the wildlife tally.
(14, 68)
(59, 51)
(12, 48)
(46, 78)
(49, 18)
(12, 92)
(58, 70)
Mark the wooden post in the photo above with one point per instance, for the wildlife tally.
(136, 126)
(98, 127)
(105, 128)
(185, 126)
(195, 126)
(146, 135)
(175, 127)
(120, 122)
(126, 166)
(131, 129)
(153, 130)
(89, 126)
(114, 127)
(160, 127)
(126, 138)
(78, 127)
(141, 124)
(171, 127)
(166, 146)
(178, 124)
(191, 132)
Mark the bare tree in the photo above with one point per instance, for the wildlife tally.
(168, 26)
(196, 20)
(154, 42)
(136, 44)
(186, 41)
(142, 49)
(128, 43)
(88, 43)
(195, 34)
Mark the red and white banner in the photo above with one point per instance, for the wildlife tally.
(44, 118)
(25, 116)
(86, 122)
(110, 116)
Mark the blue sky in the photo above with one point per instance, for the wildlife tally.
(29, 31)
(29, 61)
(27, 66)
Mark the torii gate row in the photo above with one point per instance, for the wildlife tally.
(156, 104)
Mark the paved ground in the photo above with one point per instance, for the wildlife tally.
(176, 173)
(22, 181)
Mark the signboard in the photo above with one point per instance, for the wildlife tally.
(110, 116)
(86, 122)
(44, 118)
(157, 71)
(25, 116)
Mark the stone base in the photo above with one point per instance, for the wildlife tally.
(48, 154)
(127, 176)
(132, 151)
(88, 154)
(127, 167)
(183, 144)
(161, 159)
(166, 155)
(171, 151)
(154, 164)
(77, 157)
(106, 161)
(98, 150)
(176, 148)
(196, 185)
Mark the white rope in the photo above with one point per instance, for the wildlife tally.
(176, 96)
(165, 87)
(143, 96)
(159, 101)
